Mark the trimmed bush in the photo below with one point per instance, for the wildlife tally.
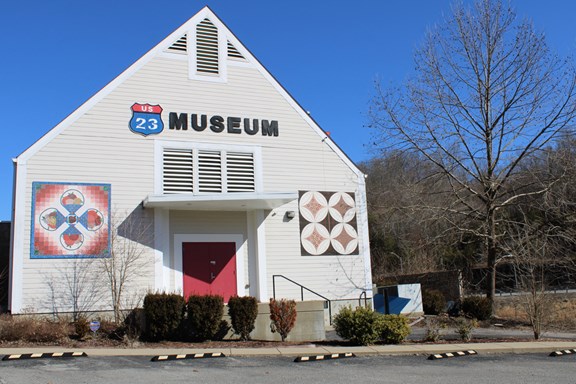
(82, 327)
(164, 314)
(395, 329)
(360, 326)
(283, 315)
(243, 312)
(477, 307)
(433, 302)
(223, 330)
(134, 326)
(204, 316)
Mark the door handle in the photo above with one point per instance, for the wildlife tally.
(212, 275)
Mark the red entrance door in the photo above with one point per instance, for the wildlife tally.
(209, 268)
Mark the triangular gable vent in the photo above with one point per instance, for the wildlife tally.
(233, 52)
(207, 47)
(179, 46)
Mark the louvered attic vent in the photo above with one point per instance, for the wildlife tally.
(207, 171)
(233, 52)
(240, 172)
(178, 167)
(179, 46)
(207, 47)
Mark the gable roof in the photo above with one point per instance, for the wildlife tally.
(161, 47)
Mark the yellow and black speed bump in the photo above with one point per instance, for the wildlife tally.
(188, 356)
(563, 352)
(43, 355)
(451, 354)
(301, 359)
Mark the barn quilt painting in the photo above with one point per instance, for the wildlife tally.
(327, 223)
(70, 220)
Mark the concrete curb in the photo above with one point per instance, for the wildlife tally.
(390, 350)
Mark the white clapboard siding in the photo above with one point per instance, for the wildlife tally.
(99, 148)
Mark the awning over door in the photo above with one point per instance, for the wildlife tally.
(220, 201)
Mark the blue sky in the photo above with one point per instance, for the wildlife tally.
(57, 54)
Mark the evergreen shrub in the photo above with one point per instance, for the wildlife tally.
(243, 312)
(164, 315)
(360, 326)
(477, 307)
(395, 329)
(204, 316)
(433, 301)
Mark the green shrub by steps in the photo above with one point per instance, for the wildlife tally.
(477, 307)
(433, 301)
(243, 312)
(363, 326)
(360, 326)
(164, 314)
(395, 329)
(204, 317)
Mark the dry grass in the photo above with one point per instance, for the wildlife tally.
(32, 329)
(561, 310)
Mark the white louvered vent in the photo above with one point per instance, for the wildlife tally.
(207, 47)
(209, 171)
(179, 46)
(178, 171)
(233, 53)
(240, 172)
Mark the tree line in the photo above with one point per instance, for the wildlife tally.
(475, 152)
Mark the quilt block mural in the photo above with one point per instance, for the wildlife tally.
(327, 223)
(70, 220)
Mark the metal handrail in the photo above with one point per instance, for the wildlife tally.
(302, 288)
(365, 299)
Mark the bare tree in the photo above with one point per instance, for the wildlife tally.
(538, 257)
(130, 238)
(487, 93)
(76, 288)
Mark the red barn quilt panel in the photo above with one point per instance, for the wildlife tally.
(70, 220)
